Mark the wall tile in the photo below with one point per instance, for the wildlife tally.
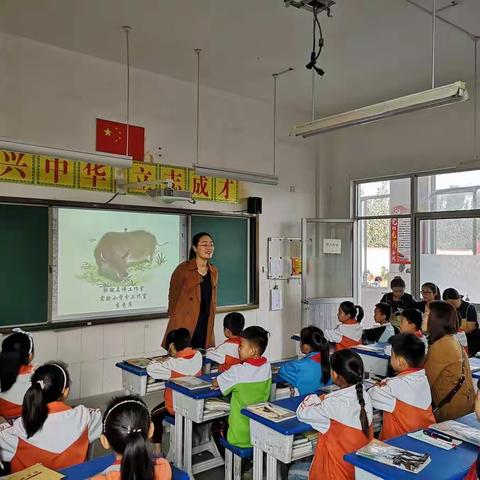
(69, 346)
(154, 332)
(46, 346)
(92, 343)
(91, 378)
(112, 375)
(74, 369)
(134, 338)
(113, 340)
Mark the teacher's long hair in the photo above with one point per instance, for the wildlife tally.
(196, 238)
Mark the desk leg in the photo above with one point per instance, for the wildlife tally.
(178, 440)
(187, 447)
(271, 467)
(257, 463)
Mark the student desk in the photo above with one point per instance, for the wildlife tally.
(445, 465)
(374, 363)
(136, 381)
(276, 440)
(86, 470)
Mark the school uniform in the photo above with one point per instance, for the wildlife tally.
(226, 354)
(249, 382)
(336, 417)
(62, 441)
(345, 335)
(187, 363)
(379, 334)
(11, 400)
(305, 374)
(419, 334)
(406, 403)
(161, 471)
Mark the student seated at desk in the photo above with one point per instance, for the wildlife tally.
(349, 333)
(405, 399)
(411, 321)
(313, 371)
(343, 419)
(15, 371)
(126, 430)
(384, 329)
(249, 382)
(182, 361)
(226, 354)
(49, 431)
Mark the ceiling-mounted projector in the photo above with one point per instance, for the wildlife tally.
(319, 5)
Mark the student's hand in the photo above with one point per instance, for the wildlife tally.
(214, 384)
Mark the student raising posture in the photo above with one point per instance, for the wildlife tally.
(126, 430)
(384, 329)
(49, 431)
(226, 354)
(349, 332)
(15, 372)
(405, 399)
(343, 418)
(313, 371)
(182, 361)
(249, 382)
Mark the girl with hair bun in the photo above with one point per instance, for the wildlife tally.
(127, 428)
(49, 431)
(15, 371)
(313, 371)
(343, 419)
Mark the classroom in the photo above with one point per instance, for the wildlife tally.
(239, 239)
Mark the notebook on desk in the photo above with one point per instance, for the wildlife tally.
(144, 362)
(37, 472)
(192, 383)
(271, 412)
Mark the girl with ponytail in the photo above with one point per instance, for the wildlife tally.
(349, 332)
(313, 371)
(127, 428)
(49, 431)
(343, 419)
(15, 372)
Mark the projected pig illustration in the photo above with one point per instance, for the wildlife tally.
(116, 251)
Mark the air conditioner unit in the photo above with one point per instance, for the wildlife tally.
(436, 97)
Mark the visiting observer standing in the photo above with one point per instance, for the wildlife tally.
(192, 298)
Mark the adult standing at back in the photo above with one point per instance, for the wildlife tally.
(446, 365)
(467, 316)
(192, 298)
(397, 298)
(430, 293)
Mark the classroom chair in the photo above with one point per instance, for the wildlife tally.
(170, 421)
(233, 459)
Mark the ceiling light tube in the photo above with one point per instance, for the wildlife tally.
(236, 175)
(121, 161)
(436, 97)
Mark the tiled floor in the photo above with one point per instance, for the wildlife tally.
(101, 401)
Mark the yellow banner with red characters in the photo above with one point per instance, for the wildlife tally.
(57, 172)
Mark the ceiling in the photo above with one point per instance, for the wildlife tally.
(374, 49)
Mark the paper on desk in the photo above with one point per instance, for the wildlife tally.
(436, 442)
(37, 472)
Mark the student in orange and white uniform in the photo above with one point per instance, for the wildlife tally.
(226, 354)
(182, 361)
(405, 399)
(126, 430)
(49, 431)
(349, 333)
(343, 419)
(15, 371)
(411, 321)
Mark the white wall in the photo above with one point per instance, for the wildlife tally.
(52, 96)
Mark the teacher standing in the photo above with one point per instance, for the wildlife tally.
(192, 298)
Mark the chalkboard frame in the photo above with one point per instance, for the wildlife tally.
(188, 212)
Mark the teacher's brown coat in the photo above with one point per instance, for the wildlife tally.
(446, 360)
(184, 299)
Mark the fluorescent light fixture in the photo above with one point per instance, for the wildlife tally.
(236, 175)
(121, 161)
(436, 97)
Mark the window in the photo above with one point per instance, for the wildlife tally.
(446, 212)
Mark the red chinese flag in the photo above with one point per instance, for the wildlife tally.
(112, 138)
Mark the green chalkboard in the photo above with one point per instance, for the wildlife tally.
(231, 257)
(23, 265)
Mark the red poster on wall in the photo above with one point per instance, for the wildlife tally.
(400, 237)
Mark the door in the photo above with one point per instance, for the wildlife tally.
(328, 269)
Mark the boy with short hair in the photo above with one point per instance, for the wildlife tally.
(384, 329)
(182, 361)
(405, 399)
(226, 354)
(411, 322)
(249, 382)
